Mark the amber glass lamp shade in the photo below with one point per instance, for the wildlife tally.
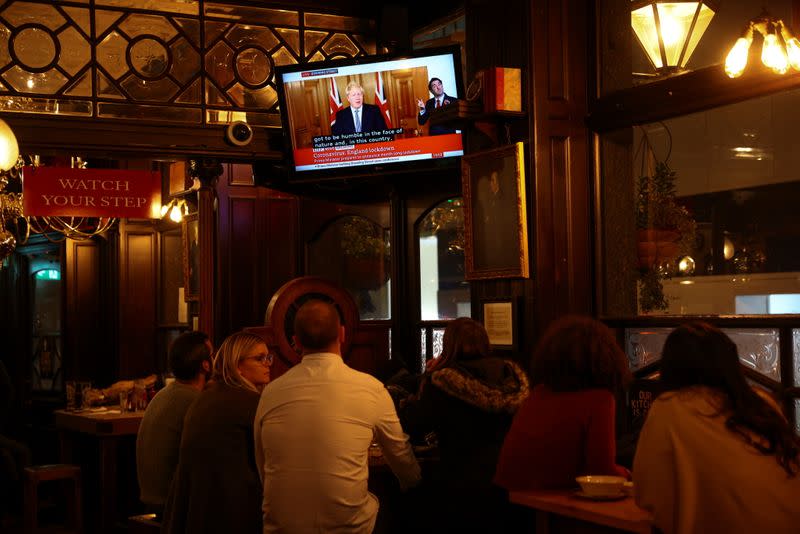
(669, 31)
(9, 149)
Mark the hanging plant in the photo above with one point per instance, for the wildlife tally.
(665, 229)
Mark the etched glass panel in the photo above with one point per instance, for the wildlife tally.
(644, 346)
(35, 48)
(423, 343)
(34, 82)
(317, 57)
(103, 20)
(80, 17)
(313, 39)
(438, 341)
(75, 51)
(155, 90)
(148, 58)
(264, 98)
(278, 17)
(50, 106)
(19, 13)
(191, 95)
(218, 62)
(336, 22)
(185, 61)
(190, 28)
(758, 349)
(111, 55)
(340, 45)
(242, 35)
(5, 35)
(106, 89)
(214, 97)
(367, 43)
(139, 112)
(253, 67)
(214, 31)
(184, 7)
(136, 25)
(283, 57)
(292, 38)
(82, 87)
(218, 116)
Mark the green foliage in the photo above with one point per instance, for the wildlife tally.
(361, 238)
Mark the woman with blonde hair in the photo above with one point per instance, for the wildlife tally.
(216, 466)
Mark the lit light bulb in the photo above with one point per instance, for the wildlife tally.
(165, 208)
(671, 31)
(773, 56)
(9, 149)
(175, 214)
(727, 248)
(736, 60)
(793, 51)
(686, 266)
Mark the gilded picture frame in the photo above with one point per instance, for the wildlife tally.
(495, 214)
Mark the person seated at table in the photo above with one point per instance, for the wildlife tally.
(468, 398)
(159, 435)
(565, 428)
(714, 455)
(216, 487)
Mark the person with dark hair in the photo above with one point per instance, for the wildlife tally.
(440, 99)
(566, 427)
(714, 455)
(216, 486)
(468, 397)
(159, 435)
(313, 430)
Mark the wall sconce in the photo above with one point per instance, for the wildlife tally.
(177, 209)
(779, 50)
(669, 31)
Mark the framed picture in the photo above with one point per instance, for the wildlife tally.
(191, 257)
(500, 320)
(495, 222)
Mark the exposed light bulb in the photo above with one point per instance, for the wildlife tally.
(773, 56)
(9, 149)
(793, 51)
(727, 248)
(175, 214)
(736, 60)
(165, 208)
(671, 31)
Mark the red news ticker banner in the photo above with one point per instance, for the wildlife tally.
(433, 146)
(63, 191)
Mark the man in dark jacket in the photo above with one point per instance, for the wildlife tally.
(440, 99)
(358, 116)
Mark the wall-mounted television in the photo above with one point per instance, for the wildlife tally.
(359, 115)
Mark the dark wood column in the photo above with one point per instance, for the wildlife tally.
(560, 189)
(208, 172)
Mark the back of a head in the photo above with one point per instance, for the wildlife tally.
(316, 325)
(577, 353)
(187, 353)
(699, 354)
(464, 339)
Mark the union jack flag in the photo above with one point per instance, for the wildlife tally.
(334, 101)
(380, 99)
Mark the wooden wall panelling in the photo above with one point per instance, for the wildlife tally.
(257, 248)
(138, 296)
(89, 322)
(561, 189)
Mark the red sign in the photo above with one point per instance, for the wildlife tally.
(65, 191)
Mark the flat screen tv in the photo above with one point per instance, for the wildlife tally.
(328, 137)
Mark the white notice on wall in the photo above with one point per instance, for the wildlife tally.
(498, 321)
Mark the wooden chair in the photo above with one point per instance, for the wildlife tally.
(54, 472)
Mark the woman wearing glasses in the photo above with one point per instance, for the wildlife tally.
(216, 487)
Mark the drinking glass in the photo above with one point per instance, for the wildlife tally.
(71, 395)
(83, 389)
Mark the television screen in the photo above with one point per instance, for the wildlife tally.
(370, 111)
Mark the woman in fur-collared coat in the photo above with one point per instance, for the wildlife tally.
(468, 398)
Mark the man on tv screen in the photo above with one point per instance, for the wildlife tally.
(439, 99)
(358, 117)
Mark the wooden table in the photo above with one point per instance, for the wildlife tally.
(107, 427)
(622, 515)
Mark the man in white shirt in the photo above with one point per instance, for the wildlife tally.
(313, 429)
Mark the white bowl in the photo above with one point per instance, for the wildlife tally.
(601, 485)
